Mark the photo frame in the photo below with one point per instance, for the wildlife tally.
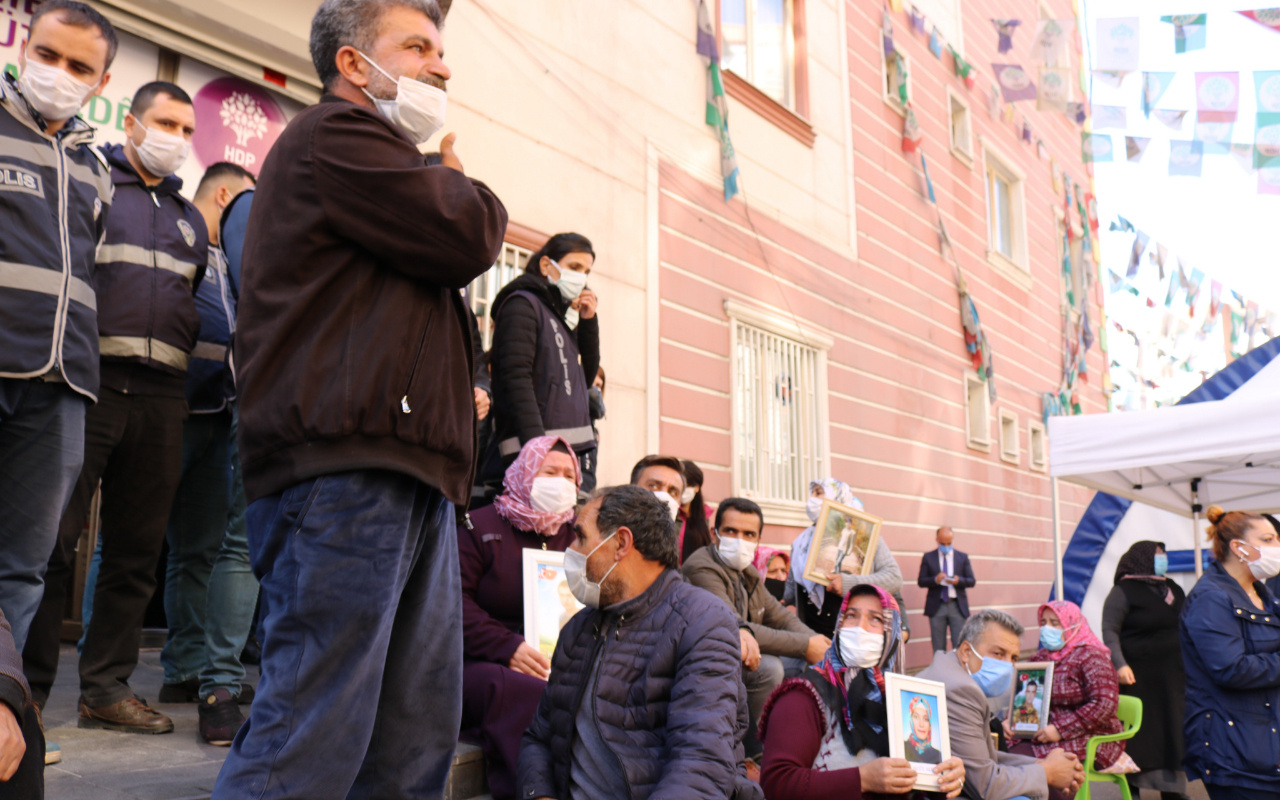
(548, 603)
(1028, 715)
(918, 728)
(842, 533)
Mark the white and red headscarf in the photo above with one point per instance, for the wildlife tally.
(513, 504)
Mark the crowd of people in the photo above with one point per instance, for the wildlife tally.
(282, 380)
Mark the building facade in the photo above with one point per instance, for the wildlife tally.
(810, 326)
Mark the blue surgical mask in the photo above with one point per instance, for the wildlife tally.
(1051, 638)
(1162, 563)
(945, 549)
(994, 676)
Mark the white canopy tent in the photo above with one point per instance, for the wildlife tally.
(1179, 458)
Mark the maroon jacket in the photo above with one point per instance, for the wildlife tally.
(491, 560)
(352, 344)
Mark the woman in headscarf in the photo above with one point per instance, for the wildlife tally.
(1140, 626)
(694, 514)
(773, 565)
(1085, 692)
(502, 675)
(826, 732)
(816, 605)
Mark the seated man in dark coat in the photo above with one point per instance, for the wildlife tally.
(644, 697)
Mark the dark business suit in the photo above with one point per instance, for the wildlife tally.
(953, 609)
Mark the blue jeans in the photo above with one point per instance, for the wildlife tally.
(233, 591)
(361, 688)
(41, 452)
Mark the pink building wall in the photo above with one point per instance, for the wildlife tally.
(895, 373)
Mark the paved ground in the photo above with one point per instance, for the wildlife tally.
(102, 765)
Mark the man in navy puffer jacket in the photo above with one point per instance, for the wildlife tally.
(645, 698)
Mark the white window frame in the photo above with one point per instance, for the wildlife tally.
(789, 102)
(778, 511)
(976, 389)
(482, 291)
(962, 150)
(1010, 447)
(891, 97)
(1017, 267)
(1038, 439)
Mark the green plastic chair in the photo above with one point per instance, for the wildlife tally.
(1129, 712)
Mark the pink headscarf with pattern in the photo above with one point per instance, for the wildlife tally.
(765, 554)
(513, 503)
(1075, 629)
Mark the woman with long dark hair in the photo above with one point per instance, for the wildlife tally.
(693, 514)
(545, 355)
(1140, 626)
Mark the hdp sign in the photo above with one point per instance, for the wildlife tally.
(236, 121)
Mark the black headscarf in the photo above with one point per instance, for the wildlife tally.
(1140, 562)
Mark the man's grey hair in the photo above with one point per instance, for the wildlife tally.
(339, 23)
(976, 625)
(647, 517)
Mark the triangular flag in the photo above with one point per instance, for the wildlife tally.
(935, 44)
(1154, 85)
(1242, 154)
(1095, 148)
(1135, 146)
(1112, 79)
(886, 35)
(911, 135)
(1004, 29)
(917, 20)
(1050, 45)
(1267, 17)
(1171, 119)
(964, 70)
(1188, 31)
(1110, 117)
(1135, 255)
(1077, 112)
(1123, 225)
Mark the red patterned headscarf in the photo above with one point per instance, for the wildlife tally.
(1075, 630)
(513, 503)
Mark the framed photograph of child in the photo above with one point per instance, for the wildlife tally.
(548, 603)
(1029, 706)
(844, 539)
(918, 725)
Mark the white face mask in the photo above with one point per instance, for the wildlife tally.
(669, 501)
(687, 497)
(1266, 566)
(418, 107)
(813, 507)
(737, 553)
(553, 495)
(860, 647)
(162, 153)
(52, 91)
(575, 572)
(570, 283)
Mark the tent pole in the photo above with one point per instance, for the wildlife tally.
(1195, 524)
(1057, 541)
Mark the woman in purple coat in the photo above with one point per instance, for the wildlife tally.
(503, 676)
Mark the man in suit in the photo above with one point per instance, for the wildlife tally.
(946, 573)
(981, 667)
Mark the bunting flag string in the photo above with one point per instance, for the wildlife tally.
(1188, 31)
(1004, 30)
(1266, 17)
(717, 115)
(1154, 85)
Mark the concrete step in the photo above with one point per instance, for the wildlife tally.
(467, 775)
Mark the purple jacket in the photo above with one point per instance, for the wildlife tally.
(491, 560)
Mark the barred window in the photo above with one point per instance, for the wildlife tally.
(776, 415)
(484, 289)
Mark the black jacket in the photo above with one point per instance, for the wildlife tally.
(150, 262)
(519, 395)
(352, 346)
(930, 566)
(670, 703)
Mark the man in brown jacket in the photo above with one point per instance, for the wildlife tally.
(768, 631)
(357, 419)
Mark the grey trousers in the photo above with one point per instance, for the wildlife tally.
(760, 683)
(948, 614)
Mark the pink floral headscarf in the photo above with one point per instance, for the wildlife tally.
(765, 554)
(513, 503)
(1075, 630)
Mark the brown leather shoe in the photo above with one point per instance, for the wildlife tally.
(130, 715)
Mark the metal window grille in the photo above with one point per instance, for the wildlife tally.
(485, 288)
(776, 410)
